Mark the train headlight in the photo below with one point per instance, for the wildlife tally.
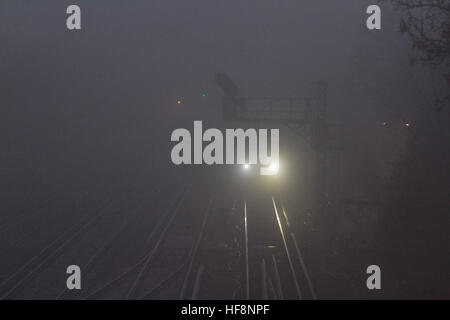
(274, 167)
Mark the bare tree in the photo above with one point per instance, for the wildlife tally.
(421, 179)
(427, 23)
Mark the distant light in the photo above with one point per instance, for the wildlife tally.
(384, 124)
(246, 166)
(274, 167)
(407, 125)
(179, 101)
(203, 92)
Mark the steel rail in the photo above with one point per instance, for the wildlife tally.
(128, 272)
(247, 270)
(44, 259)
(288, 254)
(176, 272)
(37, 263)
(305, 270)
(279, 288)
(299, 255)
(194, 253)
(92, 261)
(149, 259)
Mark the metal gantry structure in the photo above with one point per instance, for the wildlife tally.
(306, 116)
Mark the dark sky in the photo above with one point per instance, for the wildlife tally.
(105, 94)
(147, 44)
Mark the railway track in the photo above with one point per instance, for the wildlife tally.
(194, 250)
(49, 235)
(136, 281)
(75, 243)
(147, 278)
(274, 265)
(17, 281)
